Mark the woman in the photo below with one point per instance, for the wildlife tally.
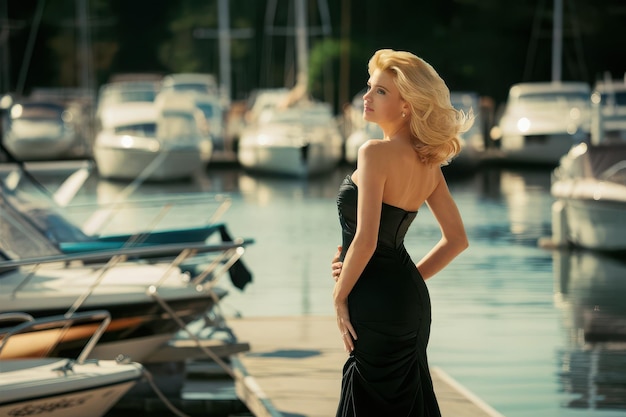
(381, 300)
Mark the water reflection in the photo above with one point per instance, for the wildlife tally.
(589, 291)
(497, 328)
(524, 193)
(261, 189)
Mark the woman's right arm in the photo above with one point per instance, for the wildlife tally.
(453, 237)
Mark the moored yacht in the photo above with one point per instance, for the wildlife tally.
(60, 386)
(543, 120)
(299, 140)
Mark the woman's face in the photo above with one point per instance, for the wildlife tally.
(382, 103)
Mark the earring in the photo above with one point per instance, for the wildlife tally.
(403, 114)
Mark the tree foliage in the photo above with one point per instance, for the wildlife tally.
(479, 45)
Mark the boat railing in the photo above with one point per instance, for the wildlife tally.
(227, 259)
(209, 275)
(153, 212)
(175, 254)
(64, 323)
(164, 251)
(44, 230)
(209, 208)
(613, 170)
(16, 316)
(205, 281)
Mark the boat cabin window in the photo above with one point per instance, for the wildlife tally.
(554, 97)
(617, 98)
(177, 125)
(193, 87)
(37, 112)
(141, 129)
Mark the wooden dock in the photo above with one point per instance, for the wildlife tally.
(294, 369)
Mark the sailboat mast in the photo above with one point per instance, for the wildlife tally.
(224, 46)
(302, 47)
(557, 40)
(85, 56)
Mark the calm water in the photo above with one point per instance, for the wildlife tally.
(531, 331)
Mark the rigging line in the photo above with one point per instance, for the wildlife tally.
(532, 47)
(578, 39)
(266, 57)
(22, 167)
(30, 46)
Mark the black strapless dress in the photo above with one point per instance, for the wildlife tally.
(387, 374)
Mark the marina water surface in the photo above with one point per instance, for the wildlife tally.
(531, 331)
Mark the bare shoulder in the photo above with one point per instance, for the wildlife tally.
(373, 152)
(374, 147)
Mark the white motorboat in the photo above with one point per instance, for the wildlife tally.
(263, 101)
(214, 119)
(357, 130)
(60, 386)
(472, 141)
(41, 130)
(590, 188)
(543, 120)
(147, 301)
(208, 118)
(299, 140)
(152, 140)
(358, 137)
(211, 119)
(612, 95)
(196, 82)
(149, 283)
(353, 114)
(117, 93)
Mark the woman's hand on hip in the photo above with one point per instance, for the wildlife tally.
(336, 264)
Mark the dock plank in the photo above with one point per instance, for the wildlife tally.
(294, 368)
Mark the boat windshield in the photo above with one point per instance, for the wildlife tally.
(617, 98)
(177, 125)
(209, 110)
(21, 236)
(193, 87)
(39, 111)
(549, 98)
(139, 129)
(127, 94)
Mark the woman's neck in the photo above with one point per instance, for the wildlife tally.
(400, 131)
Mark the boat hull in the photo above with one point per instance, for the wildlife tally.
(305, 160)
(128, 163)
(124, 292)
(89, 389)
(598, 225)
(590, 189)
(542, 149)
(42, 147)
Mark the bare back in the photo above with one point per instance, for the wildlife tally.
(409, 181)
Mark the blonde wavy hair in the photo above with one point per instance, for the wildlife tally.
(435, 125)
